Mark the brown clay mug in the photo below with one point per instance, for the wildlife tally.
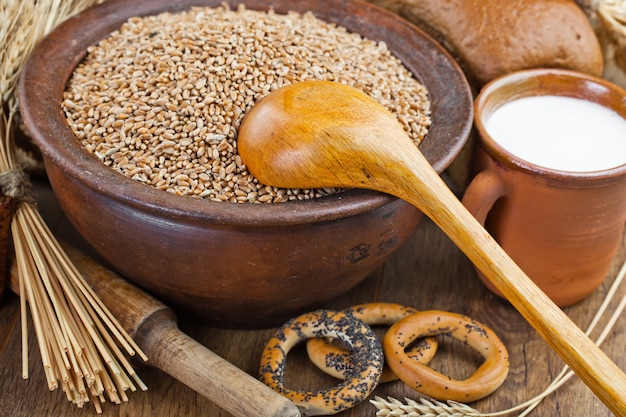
(561, 226)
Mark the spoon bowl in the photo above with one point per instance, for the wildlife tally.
(296, 128)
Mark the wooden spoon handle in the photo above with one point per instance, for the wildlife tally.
(154, 328)
(425, 189)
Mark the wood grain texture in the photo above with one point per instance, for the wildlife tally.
(428, 272)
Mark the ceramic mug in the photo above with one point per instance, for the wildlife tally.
(561, 225)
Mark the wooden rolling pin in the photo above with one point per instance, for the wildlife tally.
(154, 327)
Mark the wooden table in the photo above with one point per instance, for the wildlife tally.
(429, 272)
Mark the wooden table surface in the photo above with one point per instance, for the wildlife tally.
(429, 272)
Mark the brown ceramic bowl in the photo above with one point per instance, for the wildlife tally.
(233, 264)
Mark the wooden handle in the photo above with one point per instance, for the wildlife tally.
(153, 326)
(208, 374)
(425, 189)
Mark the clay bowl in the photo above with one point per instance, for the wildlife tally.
(235, 265)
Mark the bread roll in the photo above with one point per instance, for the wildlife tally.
(490, 38)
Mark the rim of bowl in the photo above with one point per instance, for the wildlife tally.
(52, 62)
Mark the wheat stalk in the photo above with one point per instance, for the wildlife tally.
(396, 408)
(24, 23)
(433, 408)
(81, 344)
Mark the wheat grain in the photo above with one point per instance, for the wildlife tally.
(161, 99)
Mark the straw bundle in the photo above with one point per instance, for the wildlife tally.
(608, 18)
(612, 16)
(80, 342)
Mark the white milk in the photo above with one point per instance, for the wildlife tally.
(561, 133)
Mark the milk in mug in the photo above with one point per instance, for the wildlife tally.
(561, 133)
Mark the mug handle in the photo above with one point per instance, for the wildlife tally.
(482, 193)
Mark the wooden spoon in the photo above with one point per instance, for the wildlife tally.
(319, 134)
